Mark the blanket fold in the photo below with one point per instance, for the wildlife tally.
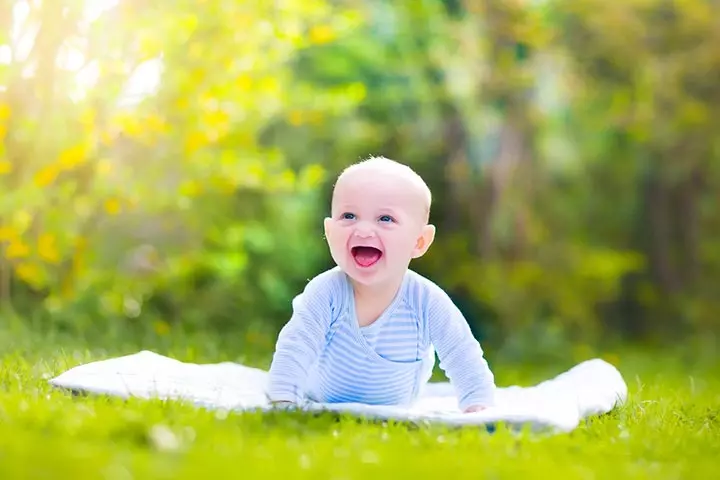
(592, 387)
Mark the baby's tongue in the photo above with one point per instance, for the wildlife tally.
(366, 256)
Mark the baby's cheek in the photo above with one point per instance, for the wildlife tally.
(334, 237)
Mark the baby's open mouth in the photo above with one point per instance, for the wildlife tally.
(366, 256)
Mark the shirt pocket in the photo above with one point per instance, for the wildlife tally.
(399, 343)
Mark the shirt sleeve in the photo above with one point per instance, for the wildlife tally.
(461, 356)
(300, 341)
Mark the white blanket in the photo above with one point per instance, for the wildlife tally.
(559, 404)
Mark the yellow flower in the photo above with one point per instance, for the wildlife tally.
(17, 250)
(29, 273)
(244, 82)
(72, 157)
(113, 206)
(128, 124)
(194, 141)
(155, 123)
(320, 34)
(46, 176)
(47, 248)
(5, 165)
(7, 233)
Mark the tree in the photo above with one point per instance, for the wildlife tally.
(130, 155)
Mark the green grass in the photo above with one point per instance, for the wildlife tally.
(669, 429)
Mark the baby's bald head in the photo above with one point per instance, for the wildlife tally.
(406, 178)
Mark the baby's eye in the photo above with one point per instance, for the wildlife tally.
(347, 216)
(386, 218)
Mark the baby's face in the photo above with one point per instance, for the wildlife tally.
(377, 226)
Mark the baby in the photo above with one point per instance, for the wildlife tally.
(367, 330)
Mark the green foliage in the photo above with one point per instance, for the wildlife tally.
(571, 148)
(164, 202)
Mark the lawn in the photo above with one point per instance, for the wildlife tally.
(669, 428)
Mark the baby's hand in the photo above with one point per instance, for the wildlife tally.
(475, 408)
(282, 403)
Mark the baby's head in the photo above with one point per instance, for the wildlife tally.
(379, 220)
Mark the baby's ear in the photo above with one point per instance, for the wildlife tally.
(326, 226)
(424, 241)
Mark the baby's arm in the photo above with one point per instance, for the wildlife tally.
(461, 356)
(300, 341)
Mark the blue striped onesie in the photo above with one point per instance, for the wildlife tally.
(323, 355)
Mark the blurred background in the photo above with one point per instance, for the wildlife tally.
(165, 166)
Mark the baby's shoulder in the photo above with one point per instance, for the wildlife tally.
(423, 293)
(328, 277)
(330, 284)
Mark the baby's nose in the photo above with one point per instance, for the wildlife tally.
(364, 232)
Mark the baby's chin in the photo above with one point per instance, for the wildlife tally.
(364, 276)
(379, 276)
